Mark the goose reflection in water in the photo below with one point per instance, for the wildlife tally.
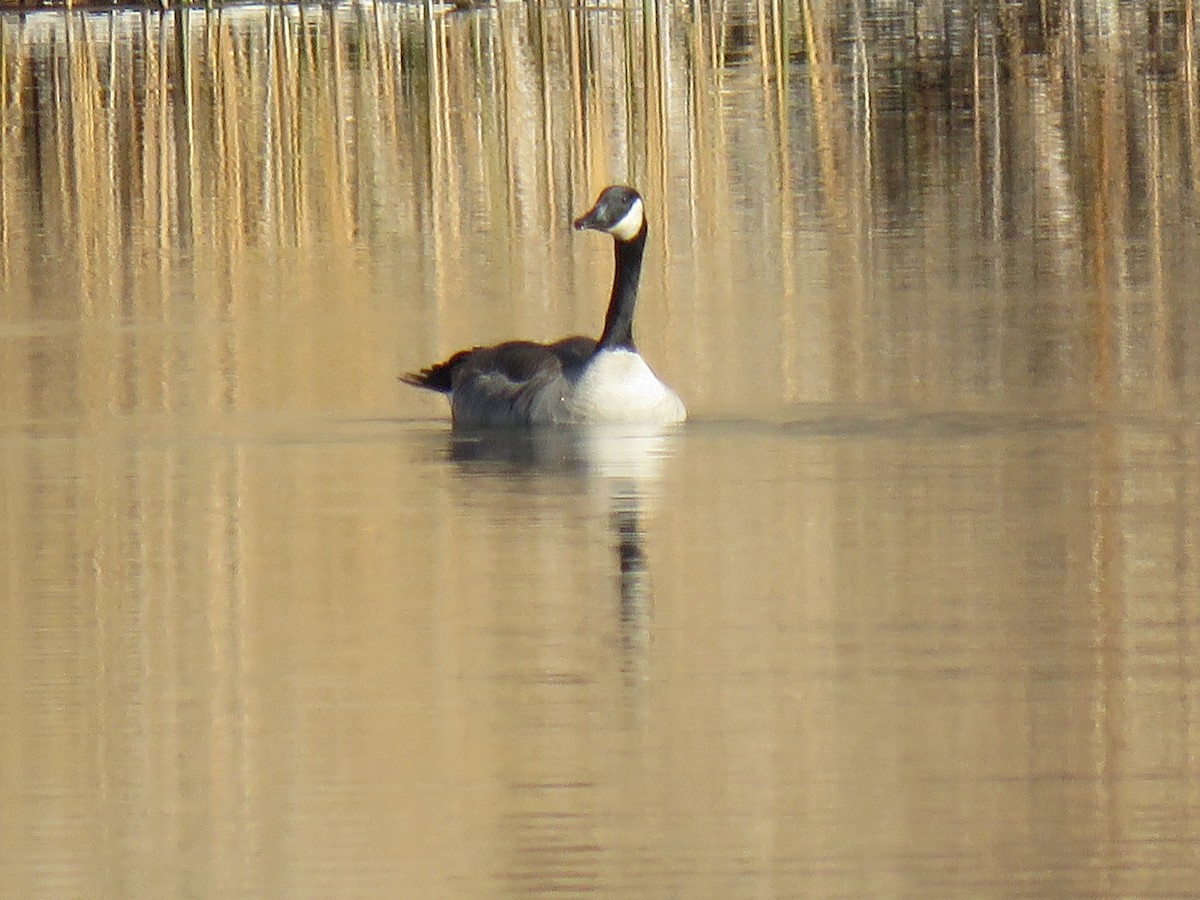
(622, 464)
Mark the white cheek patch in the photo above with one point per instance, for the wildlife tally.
(630, 224)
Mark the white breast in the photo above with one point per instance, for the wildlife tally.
(618, 386)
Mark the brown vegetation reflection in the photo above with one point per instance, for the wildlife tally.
(943, 206)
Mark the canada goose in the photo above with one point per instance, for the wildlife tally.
(576, 380)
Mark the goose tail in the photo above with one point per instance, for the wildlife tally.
(438, 377)
(429, 379)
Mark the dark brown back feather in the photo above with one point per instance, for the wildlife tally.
(517, 361)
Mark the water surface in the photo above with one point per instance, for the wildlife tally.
(906, 609)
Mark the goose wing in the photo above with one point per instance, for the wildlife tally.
(514, 383)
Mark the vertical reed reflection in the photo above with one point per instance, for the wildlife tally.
(516, 112)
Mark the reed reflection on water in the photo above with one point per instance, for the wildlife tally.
(907, 610)
(985, 209)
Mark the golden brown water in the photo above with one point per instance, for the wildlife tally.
(907, 609)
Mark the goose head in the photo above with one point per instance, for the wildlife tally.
(618, 211)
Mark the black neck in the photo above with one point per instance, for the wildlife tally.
(618, 322)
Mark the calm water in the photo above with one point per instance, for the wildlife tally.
(908, 609)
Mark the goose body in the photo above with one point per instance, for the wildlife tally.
(576, 380)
